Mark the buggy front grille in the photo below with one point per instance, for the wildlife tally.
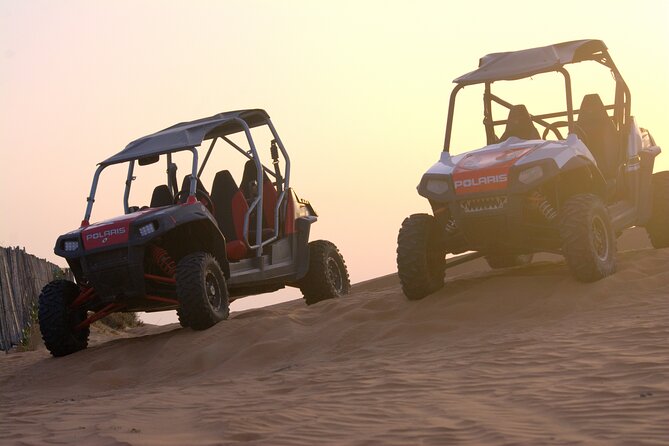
(108, 259)
(484, 204)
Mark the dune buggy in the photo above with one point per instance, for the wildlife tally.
(525, 192)
(191, 248)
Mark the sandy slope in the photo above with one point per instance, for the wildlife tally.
(525, 356)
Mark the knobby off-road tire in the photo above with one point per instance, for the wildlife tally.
(57, 320)
(497, 261)
(421, 256)
(658, 225)
(588, 240)
(327, 277)
(202, 292)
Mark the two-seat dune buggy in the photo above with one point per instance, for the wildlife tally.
(523, 193)
(192, 249)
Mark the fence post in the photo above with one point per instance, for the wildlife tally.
(22, 277)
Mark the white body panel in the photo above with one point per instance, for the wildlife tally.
(560, 151)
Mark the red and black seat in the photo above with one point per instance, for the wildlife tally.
(161, 196)
(519, 124)
(270, 195)
(599, 134)
(185, 188)
(230, 207)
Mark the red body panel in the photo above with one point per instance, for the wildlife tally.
(270, 197)
(485, 171)
(110, 232)
(291, 215)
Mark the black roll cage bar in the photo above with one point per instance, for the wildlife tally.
(621, 106)
(282, 181)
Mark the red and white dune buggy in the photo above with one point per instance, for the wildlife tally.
(523, 193)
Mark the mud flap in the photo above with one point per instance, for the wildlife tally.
(645, 203)
(302, 245)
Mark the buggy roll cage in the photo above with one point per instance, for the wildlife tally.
(516, 65)
(282, 181)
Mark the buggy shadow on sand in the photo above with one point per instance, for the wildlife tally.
(191, 249)
(524, 193)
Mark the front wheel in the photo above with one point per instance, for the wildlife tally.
(58, 322)
(327, 277)
(658, 225)
(421, 256)
(203, 294)
(588, 240)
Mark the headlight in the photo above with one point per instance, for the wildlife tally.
(71, 245)
(437, 187)
(147, 229)
(531, 175)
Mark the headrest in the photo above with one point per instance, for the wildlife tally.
(592, 107)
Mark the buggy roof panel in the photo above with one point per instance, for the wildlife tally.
(189, 134)
(514, 65)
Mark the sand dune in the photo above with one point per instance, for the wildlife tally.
(518, 356)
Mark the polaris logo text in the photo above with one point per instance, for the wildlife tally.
(105, 234)
(480, 181)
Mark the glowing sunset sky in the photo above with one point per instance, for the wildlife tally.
(358, 91)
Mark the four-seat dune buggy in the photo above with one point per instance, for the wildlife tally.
(523, 193)
(191, 249)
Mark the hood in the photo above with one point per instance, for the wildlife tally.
(110, 232)
(487, 169)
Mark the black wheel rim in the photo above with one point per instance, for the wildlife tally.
(213, 290)
(600, 238)
(334, 274)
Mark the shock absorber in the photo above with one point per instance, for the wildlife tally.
(543, 205)
(450, 226)
(443, 216)
(163, 259)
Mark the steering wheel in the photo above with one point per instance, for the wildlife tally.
(554, 127)
(201, 195)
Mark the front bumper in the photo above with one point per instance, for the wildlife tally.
(117, 272)
(504, 220)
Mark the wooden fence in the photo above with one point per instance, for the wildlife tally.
(22, 277)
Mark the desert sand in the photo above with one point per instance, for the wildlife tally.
(517, 356)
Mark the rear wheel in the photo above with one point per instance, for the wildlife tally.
(57, 321)
(202, 291)
(497, 261)
(588, 240)
(658, 225)
(327, 277)
(421, 256)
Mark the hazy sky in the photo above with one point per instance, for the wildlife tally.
(358, 91)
